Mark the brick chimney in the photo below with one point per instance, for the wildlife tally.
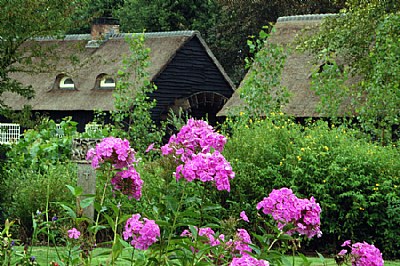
(103, 27)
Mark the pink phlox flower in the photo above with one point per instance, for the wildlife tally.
(342, 252)
(196, 136)
(247, 260)
(244, 216)
(364, 254)
(149, 148)
(207, 167)
(128, 182)
(114, 150)
(241, 242)
(286, 208)
(186, 233)
(207, 232)
(141, 233)
(74, 233)
(165, 150)
(346, 243)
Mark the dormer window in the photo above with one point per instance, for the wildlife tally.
(104, 81)
(107, 83)
(65, 82)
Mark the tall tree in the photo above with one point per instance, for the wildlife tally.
(21, 21)
(167, 15)
(366, 37)
(91, 10)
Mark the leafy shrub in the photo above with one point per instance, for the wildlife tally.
(45, 145)
(356, 182)
(25, 191)
(35, 162)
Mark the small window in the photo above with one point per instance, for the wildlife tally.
(104, 81)
(107, 83)
(64, 82)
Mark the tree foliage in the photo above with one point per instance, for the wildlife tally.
(132, 114)
(23, 20)
(262, 90)
(167, 15)
(366, 37)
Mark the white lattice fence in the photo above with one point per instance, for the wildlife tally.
(9, 133)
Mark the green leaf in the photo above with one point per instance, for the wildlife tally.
(71, 213)
(87, 202)
(76, 191)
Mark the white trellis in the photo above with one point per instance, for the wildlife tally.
(9, 133)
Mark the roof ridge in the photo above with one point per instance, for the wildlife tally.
(87, 36)
(306, 17)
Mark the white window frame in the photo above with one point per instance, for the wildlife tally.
(9, 133)
(63, 85)
(104, 85)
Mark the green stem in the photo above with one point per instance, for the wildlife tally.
(293, 253)
(69, 255)
(273, 242)
(176, 214)
(133, 252)
(47, 220)
(115, 235)
(101, 206)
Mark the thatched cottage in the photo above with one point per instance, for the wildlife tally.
(296, 74)
(182, 67)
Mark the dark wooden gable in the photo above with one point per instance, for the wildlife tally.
(194, 77)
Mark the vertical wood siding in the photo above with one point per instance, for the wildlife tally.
(189, 72)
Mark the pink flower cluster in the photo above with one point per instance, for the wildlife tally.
(74, 233)
(196, 136)
(198, 149)
(142, 234)
(128, 182)
(238, 247)
(248, 261)
(207, 167)
(207, 232)
(114, 150)
(363, 254)
(119, 153)
(287, 209)
(241, 243)
(244, 217)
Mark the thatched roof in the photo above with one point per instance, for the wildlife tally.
(89, 63)
(296, 75)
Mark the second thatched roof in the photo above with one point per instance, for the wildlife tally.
(296, 74)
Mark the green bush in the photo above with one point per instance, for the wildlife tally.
(36, 161)
(24, 192)
(45, 145)
(355, 181)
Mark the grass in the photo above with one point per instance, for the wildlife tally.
(100, 257)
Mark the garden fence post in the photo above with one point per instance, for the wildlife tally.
(86, 174)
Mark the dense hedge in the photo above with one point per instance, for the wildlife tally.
(356, 182)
